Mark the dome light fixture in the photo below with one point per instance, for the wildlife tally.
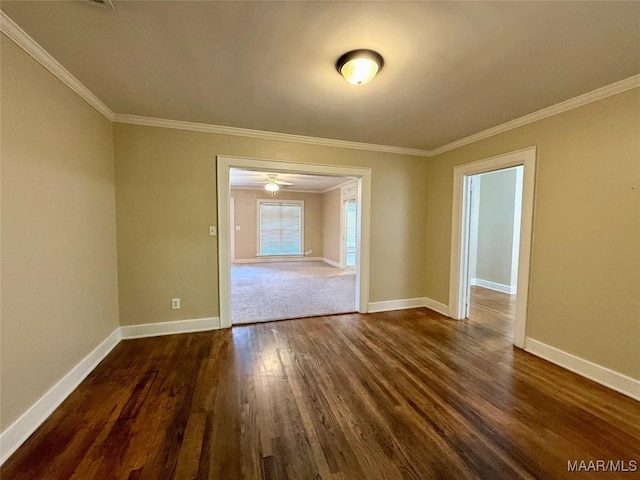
(271, 187)
(359, 66)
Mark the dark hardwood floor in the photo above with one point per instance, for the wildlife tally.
(406, 394)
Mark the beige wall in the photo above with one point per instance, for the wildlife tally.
(331, 225)
(495, 226)
(59, 293)
(584, 293)
(166, 198)
(246, 217)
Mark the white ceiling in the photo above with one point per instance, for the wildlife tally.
(451, 68)
(301, 182)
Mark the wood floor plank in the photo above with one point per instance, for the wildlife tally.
(395, 395)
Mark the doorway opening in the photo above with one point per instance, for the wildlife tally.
(285, 244)
(281, 247)
(491, 241)
(495, 206)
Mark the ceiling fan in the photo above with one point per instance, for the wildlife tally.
(272, 184)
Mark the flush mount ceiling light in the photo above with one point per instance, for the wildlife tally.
(359, 66)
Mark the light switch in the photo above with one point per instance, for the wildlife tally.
(212, 231)
(237, 228)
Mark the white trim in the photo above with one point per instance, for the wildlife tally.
(29, 45)
(342, 234)
(232, 230)
(575, 102)
(401, 304)
(579, 101)
(225, 163)
(517, 220)
(283, 189)
(20, 430)
(459, 261)
(328, 261)
(498, 287)
(599, 374)
(441, 308)
(169, 328)
(282, 137)
(335, 187)
(345, 196)
(475, 185)
(277, 259)
(16, 434)
(33, 48)
(405, 303)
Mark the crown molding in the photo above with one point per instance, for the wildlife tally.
(33, 48)
(282, 190)
(579, 101)
(265, 135)
(340, 185)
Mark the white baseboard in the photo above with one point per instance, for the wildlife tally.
(405, 303)
(276, 259)
(169, 328)
(436, 306)
(328, 261)
(498, 287)
(16, 434)
(396, 304)
(599, 374)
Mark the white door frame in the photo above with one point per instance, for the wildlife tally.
(344, 197)
(343, 229)
(232, 229)
(363, 175)
(460, 234)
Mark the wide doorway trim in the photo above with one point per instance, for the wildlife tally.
(363, 176)
(460, 234)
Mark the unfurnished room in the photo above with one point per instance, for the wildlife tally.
(319, 240)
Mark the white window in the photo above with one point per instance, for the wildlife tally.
(280, 227)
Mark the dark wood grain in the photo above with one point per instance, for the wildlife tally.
(397, 395)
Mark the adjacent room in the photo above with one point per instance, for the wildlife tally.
(293, 245)
(495, 203)
(371, 240)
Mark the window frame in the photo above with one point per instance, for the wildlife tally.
(259, 202)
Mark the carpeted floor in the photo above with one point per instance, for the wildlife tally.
(274, 291)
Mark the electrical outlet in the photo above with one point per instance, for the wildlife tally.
(175, 304)
(308, 252)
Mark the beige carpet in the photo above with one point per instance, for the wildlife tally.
(275, 291)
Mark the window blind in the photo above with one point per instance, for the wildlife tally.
(280, 228)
